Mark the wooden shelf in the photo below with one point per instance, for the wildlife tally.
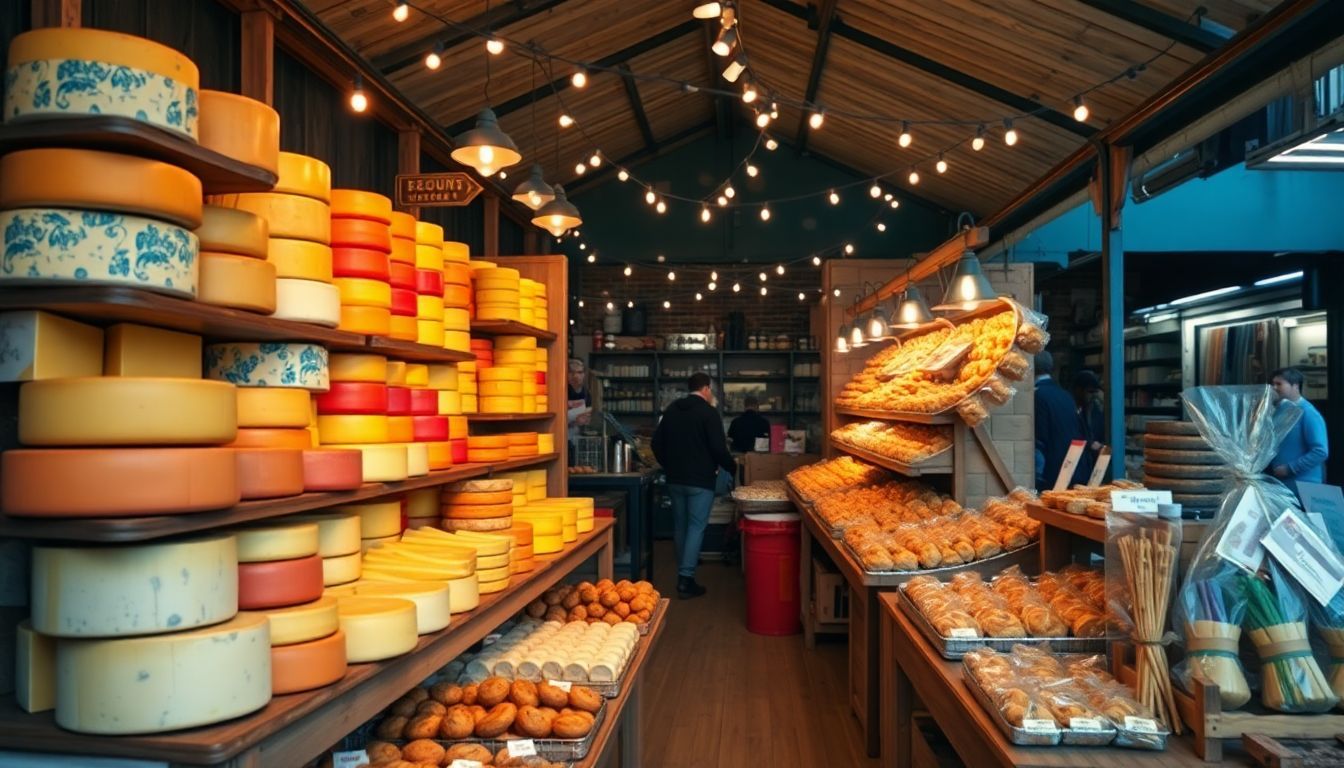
(1154, 362)
(937, 465)
(130, 529)
(616, 707)
(410, 350)
(111, 133)
(1080, 525)
(509, 328)
(295, 728)
(947, 417)
(510, 416)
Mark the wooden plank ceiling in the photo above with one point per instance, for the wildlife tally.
(968, 61)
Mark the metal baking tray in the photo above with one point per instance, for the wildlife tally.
(956, 647)
(555, 750)
(657, 609)
(1020, 556)
(1130, 739)
(751, 506)
(1018, 736)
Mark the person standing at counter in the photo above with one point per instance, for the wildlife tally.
(746, 428)
(690, 446)
(1056, 423)
(578, 401)
(1305, 448)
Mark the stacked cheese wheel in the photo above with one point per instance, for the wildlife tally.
(422, 508)
(536, 483)
(567, 514)
(361, 239)
(520, 352)
(429, 554)
(493, 551)
(522, 445)
(523, 555)
(403, 278)
(577, 513)
(543, 401)
(158, 619)
(429, 284)
(496, 293)
(380, 523)
(298, 218)
(429, 425)
(244, 129)
(355, 414)
(527, 292)
(575, 652)
(478, 505)
(466, 385)
(541, 313)
(456, 297)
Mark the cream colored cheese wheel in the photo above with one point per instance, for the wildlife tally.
(338, 533)
(307, 301)
(341, 570)
(433, 600)
(464, 594)
(127, 411)
(377, 628)
(303, 623)
(383, 462)
(285, 541)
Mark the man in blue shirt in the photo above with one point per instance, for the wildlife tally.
(1303, 451)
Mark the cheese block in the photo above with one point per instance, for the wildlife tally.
(398, 396)
(456, 340)
(273, 407)
(442, 376)
(429, 428)
(492, 587)
(436, 557)
(400, 429)
(371, 321)
(137, 589)
(70, 72)
(286, 215)
(428, 233)
(330, 470)
(358, 204)
(279, 583)
(377, 628)
(456, 319)
(53, 246)
(179, 680)
(387, 569)
(78, 178)
(240, 128)
(378, 519)
(496, 312)
(116, 482)
(456, 273)
(512, 389)
(457, 253)
(266, 437)
(40, 345)
(490, 404)
(403, 252)
(228, 230)
(305, 666)
(440, 454)
(338, 533)
(481, 543)
(269, 473)
(433, 600)
(496, 296)
(126, 411)
(368, 544)
(34, 670)
(545, 443)
(403, 225)
(456, 296)
(269, 364)
(424, 402)
(417, 460)
(429, 333)
(276, 541)
(139, 350)
(360, 292)
(306, 176)
(341, 570)
(300, 259)
(481, 524)
(359, 262)
(307, 301)
(365, 368)
(353, 397)
(360, 233)
(404, 302)
(464, 594)
(237, 282)
(547, 544)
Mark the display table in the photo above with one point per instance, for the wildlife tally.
(623, 712)
(638, 490)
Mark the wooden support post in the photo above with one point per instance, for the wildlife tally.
(408, 160)
(56, 13)
(1108, 196)
(532, 241)
(257, 62)
(491, 226)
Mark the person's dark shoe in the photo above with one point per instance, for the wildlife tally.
(688, 588)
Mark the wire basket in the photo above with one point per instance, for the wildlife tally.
(588, 450)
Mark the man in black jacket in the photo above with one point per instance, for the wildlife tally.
(690, 445)
(746, 428)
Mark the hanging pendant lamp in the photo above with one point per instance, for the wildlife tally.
(486, 147)
(969, 287)
(877, 326)
(533, 191)
(842, 339)
(558, 215)
(913, 311)
(856, 338)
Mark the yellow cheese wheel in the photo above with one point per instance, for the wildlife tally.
(358, 204)
(515, 342)
(585, 525)
(404, 328)
(440, 456)
(456, 296)
(479, 264)
(496, 312)
(229, 230)
(368, 544)
(569, 534)
(455, 252)
(442, 376)
(492, 587)
(338, 533)
(487, 404)
(494, 283)
(383, 462)
(354, 367)
(492, 575)
(430, 308)
(403, 225)
(464, 594)
(377, 519)
(417, 459)
(456, 319)
(547, 544)
(279, 541)
(307, 301)
(396, 373)
(362, 292)
(490, 563)
(499, 273)
(273, 407)
(376, 628)
(239, 282)
(80, 178)
(341, 570)
(459, 341)
(433, 600)
(543, 523)
(127, 411)
(469, 403)
(427, 233)
(495, 296)
(488, 389)
(417, 375)
(428, 257)
(429, 333)
(244, 129)
(303, 623)
(352, 429)
(499, 374)
(373, 321)
(403, 250)
(457, 427)
(302, 175)
(521, 358)
(523, 438)
(292, 216)
(100, 45)
(300, 259)
(487, 455)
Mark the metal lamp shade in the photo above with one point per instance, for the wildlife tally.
(877, 327)
(558, 215)
(485, 147)
(533, 191)
(913, 312)
(969, 287)
(842, 339)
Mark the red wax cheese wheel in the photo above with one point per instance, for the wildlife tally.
(401, 275)
(429, 282)
(293, 439)
(305, 666)
(279, 583)
(358, 204)
(425, 402)
(403, 302)
(430, 429)
(455, 295)
(360, 233)
(269, 473)
(459, 450)
(352, 397)
(398, 401)
(482, 344)
(359, 262)
(116, 482)
(332, 469)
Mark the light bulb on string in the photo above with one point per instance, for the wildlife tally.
(913, 177)
(905, 139)
(978, 143)
(566, 121)
(729, 192)
(704, 214)
(661, 258)
(722, 201)
(434, 59)
(752, 170)
(735, 68)
(749, 92)
(849, 249)
(583, 246)
(762, 119)
(887, 197)
(771, 144)
(764, 290)
(610, 306)
(650, 197)
(699, 296)
(779, 269)
(595, 160)
(725, 42)
(802, 296)
(579, 79)
(707, 11)
(580, 168)
(714, 275)
(671, 275)
(580, 303)
(661, 207)
(836, 293)
(592, 258)
(629, 270)
(713, 286)
(667, 304)
(623, 175)
(1080, 111)
(630, 304)
(816, 119)
(358, 100)
(875, 191)
(774, 110)
(941, 166)
(765, 213)
(401, 13)
(737, 287)
(495, 46)
(833, 197)
(881, 227)
(1009, 132)
(816, 261)
(763, 277)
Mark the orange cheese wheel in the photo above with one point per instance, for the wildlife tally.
(229, 230)
(358, 204)
(273, 407)
(350, 428)
(273, 438)
(455, 295)
(359, 262)
(116, 482)
(440, 454)
(478, 497)
(300, 259)
(456, 274)
(326, 469)
(361, 233)
(488, 441)
(457, 253)
(456, 340)
(404, 328)
(403, 225)
(490, 296)
(525, 565)
(372, 321)
(302, 175)
(428, 233)
(457, 428)
(478, 524)
(487, 455)
(500, 373)
(362, 292)
(510, 389)
(522, 534)
(269, 473)
(403, 251)
(244, 129)
(356, 367)
(522, 451)
(478, 511)
(400, 429)
(305, 666)
(100, 181)
(279, 583)
(496, 312)
(293, 216)
(238, 282)
(126, 410)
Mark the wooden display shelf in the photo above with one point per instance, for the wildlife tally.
(130, 529)
(410, 350)
(623, 711)
(946, 417)
(295, 728)
(112, 133)
(510, 416)
(509, 328)
(1079, 525)
(936, 465)
(1065, 537)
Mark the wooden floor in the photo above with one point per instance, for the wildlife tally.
(717, 695)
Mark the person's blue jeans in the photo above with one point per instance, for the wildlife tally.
(690, 516)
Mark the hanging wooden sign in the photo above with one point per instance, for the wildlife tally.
(436, 190)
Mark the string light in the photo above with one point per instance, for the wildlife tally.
(1009, 133)
(661, 207)
(707, 11)
(630, 304)
(771, 144)
(713, 286)
(737, 287)
(580, 168)
(629, 270)
(763, 277)
(914, 176)
(495, 46)
(849, 249)
(888, 197)
(704, 214)
(836, 293)
(714, 275)
(978, 143)
(816, 119)
(765, 213)
(764, 290)
(816, 261)
(762, 119)
(580, 303)
(623, 175)
(579, 79)
(724, 45)
(749, 92)
(434, 59)
(895, 203)
(699, 296)
(942, 164)
(671, 275)
(592, 258)
(729, 192)
(595, 160)
(881, 227)
(722, 201)
(583, 246)
(779, 270)
(752, 170)
(735, 68)
(650, 197)
(667, 304)
(875, 191)
(802, 296)
(774, 110)
(358, 100)
(906, 139)
(402, 12)
(610, 306)
(566, 121)
(834, 198)
(1080, 111)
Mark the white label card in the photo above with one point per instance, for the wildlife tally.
(1302, 553)
(1032, 724)
(1086, 724)
(563, 685)
(522, 748)
(1140, 724)
(461, 763)
(1321, 499)
(1240, 544)
(964, 632)
(946, 356)
(1070, 464)
(1143, 502)
(1099, 471)
(350, 759)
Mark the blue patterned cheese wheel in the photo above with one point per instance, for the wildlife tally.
(50, 246)
(65, 72)
(269, 364)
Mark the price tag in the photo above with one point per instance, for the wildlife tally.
(964, 632)
(1070, 464)
(1303, 554)
(1140, 724)
(350, 759)
(490, 639)
(1039, 725)
(949, 355)
(460, 763)
(1143, 502)
(1086, 724)
(563, 685)
(1240, 544)
(1099, 471)
(522, 748)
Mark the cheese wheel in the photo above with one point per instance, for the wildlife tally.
(126, 411)
(423, 502)
(487, 455)
(400, 429)
(495, 296)
(358, 204)
(377, 628)
(348, 428)
(515, 342)
(329, 470)
(404, 328)
(372, 321)
(428, 233)
(430, 308)
(490, 404)
(522, 535)
(403, 252)
(139, 589)
(279, 583)
(430, 333)
(360, 292)
(307, 301)
(269, 473)
(522, 438)
(269, 364)
(78, 178)
(488, 441)
(338, 533)
(286, 215)
(498, 273)
(240, 128)
(360, 233)
(403, 225)
(359, 262)
(368, 544)
(307, 176)
(405, 302)
(424, 402)
(525, 359)
(308, 665)
(277, 541)
(353, 367)
(377, 519)
(543, 523)
(585, 525)
(341, 570)
(491, 563)
(428, 257)
(265, 437)
(464, 594)
(417, 460)
(433, 600)
(492, 587)
(478, 497)
(456, 319)
(238, 282)
(461, 454)
(499, 374)
(429, 282)
(464, 511)
(456, 274)
(496, 312)
(429, 428)
(442, 376)
(457, 253)
(352, 397)
(547, 544)
(180, 680)
(480, 524)
(300, 259)
(456, 340)
(273, 407)
(456, 295)
(524, 565)
(494, 574)
(440, 454)
(417, 374)
(399, 398)
(482, 485)
(495, 284)
(488, 389)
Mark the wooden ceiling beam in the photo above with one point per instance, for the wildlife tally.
(637, 107)
(669, 144)
(823, 16)
(1153, 20)
(497, 18)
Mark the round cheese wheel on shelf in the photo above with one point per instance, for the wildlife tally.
(543, 523)
(403, 225)
(134, 589)
(456, 340)
(423, 502)
(377, 628)
(359, 262)
(417, 375)
(228, 230)
(430, 308)
(240, 128)
(469, 403)
(457, 253)
(377, 519)
(308, 665)
(442, 376)
(401, 275)
(525, 359)
(300, 259)
(508, 274)
(371, 321)
(456, 295)
(78, 178)
(522, 535)
(422, 522)
(279, 583)
(181, 680)
(464, 594)
(357, 367)
(584, 525)
(400, 429)
(256, 437)
(492, 389)
(501, 404)
(429, 333)
(358, 204)
(458, 511)
(341, 570)
(499, 374)
(424, 402)
(368, 544)
(495, 296)
(302, 175)
(348, 428)
(456, 319)
(276, 541)
(450, 403)
(492, 587)
(307, 301)
(360, 292)
(457, 429)
(238, 282)
(404, 302)
(496, 312)
(286, 215)
(352, 397)
(361, 233)
(403, 328)
(456, 274)
(304, 623)
(461, 453)
(488, 441)
(428, 257)
(269, 473)
(430, 428)
(338, 533)
(547, 544)
(487, 455)
(515, 343)
(273, 407)
(330, 470)
(298, 365)
(522, 438)
(429, 282)
(427, 233)
(403, 252)
(504, 496)
(433, 600)
(126, 410)
(417, 460)
(440, 454)
(399, 400)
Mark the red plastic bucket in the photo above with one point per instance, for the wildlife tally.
(771, 556)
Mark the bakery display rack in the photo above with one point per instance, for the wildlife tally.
(938, 464)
